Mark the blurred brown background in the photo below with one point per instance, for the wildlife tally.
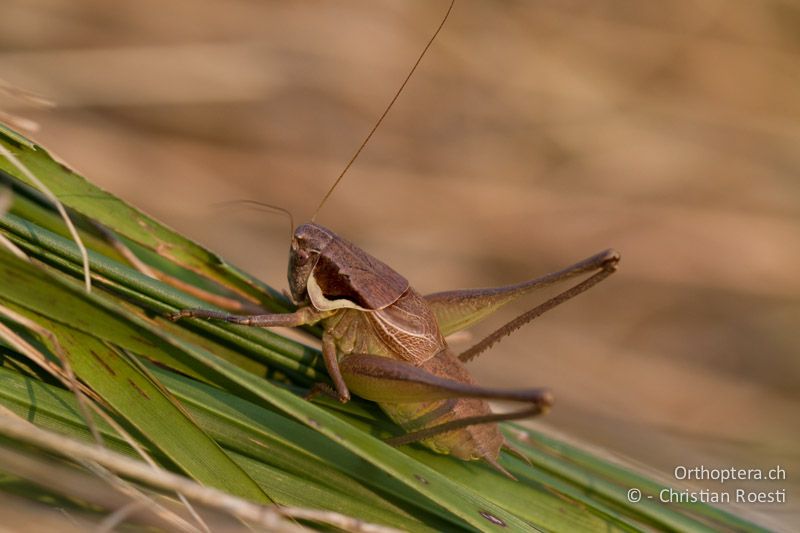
(534, 134)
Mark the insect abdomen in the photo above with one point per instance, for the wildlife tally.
(470, 443)
(407, 331)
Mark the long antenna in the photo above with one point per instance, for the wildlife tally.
(261, 205)
(385, 112)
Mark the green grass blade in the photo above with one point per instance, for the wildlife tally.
(158, 297)
(53, 408)
(128, 390)
(85, 198)
(612, 481)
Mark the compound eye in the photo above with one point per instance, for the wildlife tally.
(299, 248)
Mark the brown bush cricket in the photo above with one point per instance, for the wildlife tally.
(385, 342)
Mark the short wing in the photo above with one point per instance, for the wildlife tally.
(408, 328)
(345, 271)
